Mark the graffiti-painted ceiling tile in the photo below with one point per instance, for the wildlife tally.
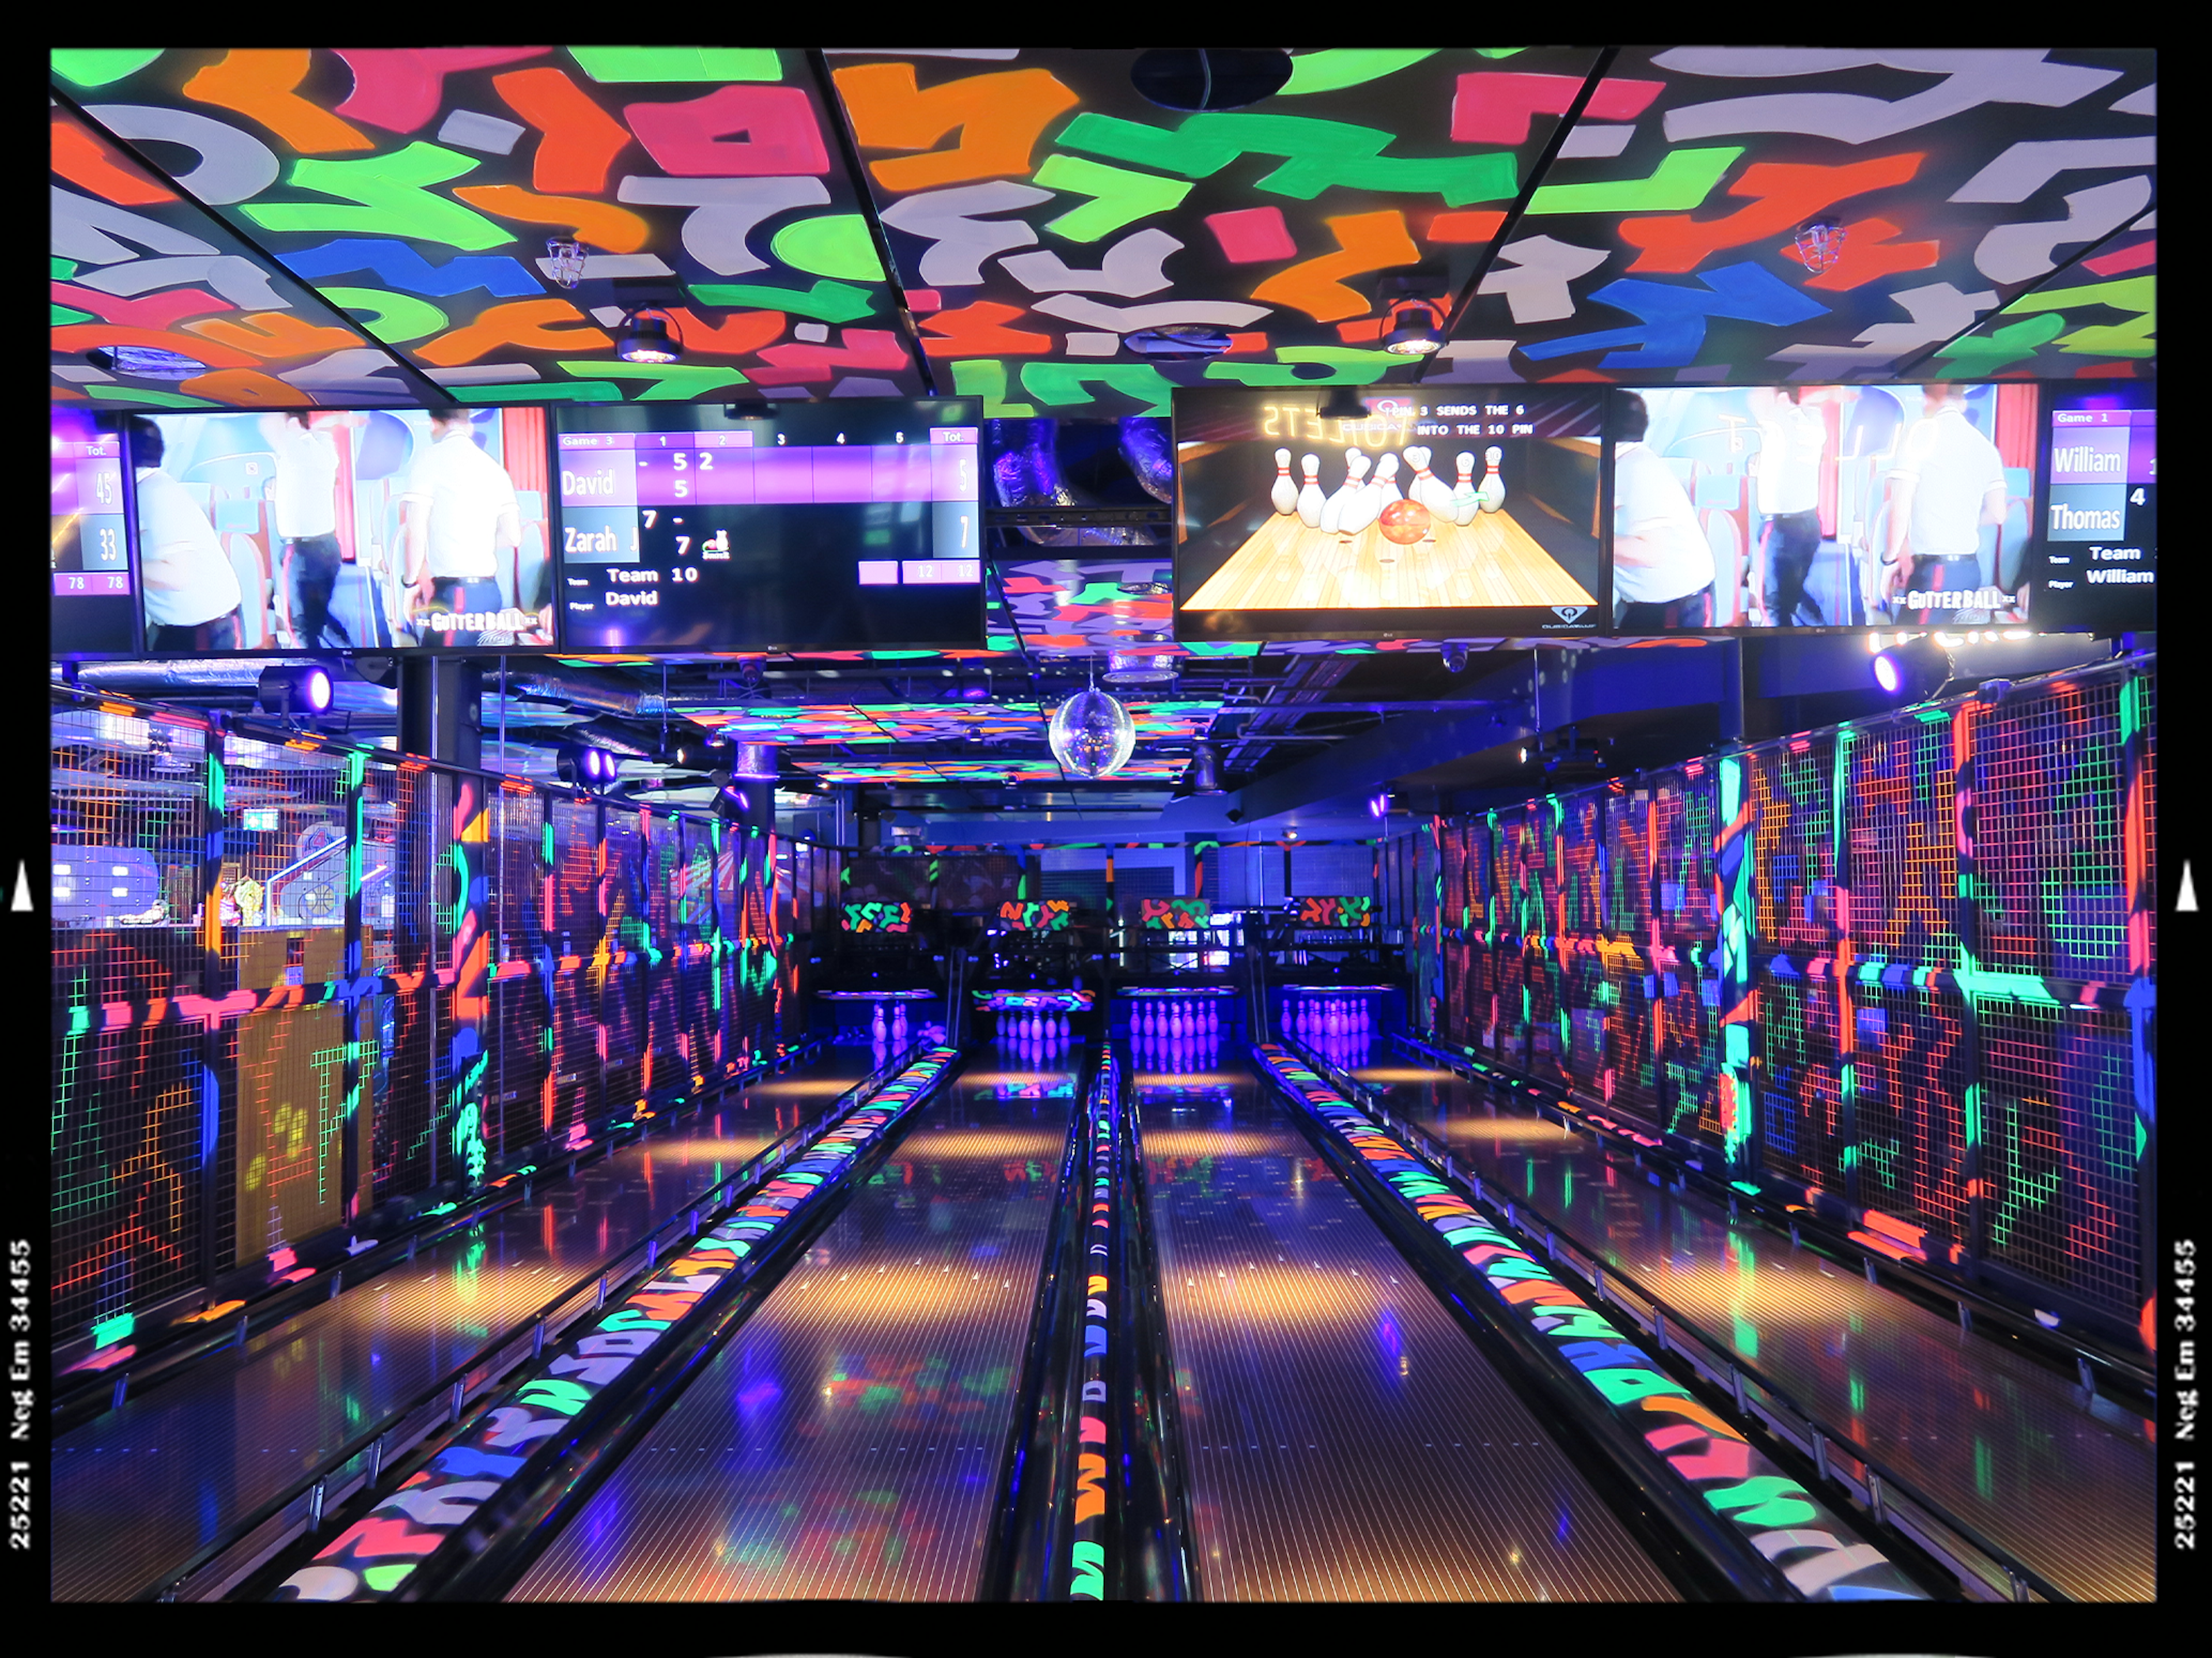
(137, 263)
(400, 178)
(1035, 195)
(1809, 213)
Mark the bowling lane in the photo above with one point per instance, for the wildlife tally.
(137, 1491)
(1345, 1439)
(1991, 1437)
(847, 1442)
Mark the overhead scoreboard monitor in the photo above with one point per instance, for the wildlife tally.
(851, 525)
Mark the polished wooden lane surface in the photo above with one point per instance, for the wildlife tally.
(1345, 1440)
(1490, 562)
(847, 1442)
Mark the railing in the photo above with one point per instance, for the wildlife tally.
(221, 1564)
(1983, 1570)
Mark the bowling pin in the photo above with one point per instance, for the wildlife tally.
(1493, 487)
(1427, 487)
(1285, 495)
(1466, 500)
(1332, 512)
(1364, 508)
(898, 1024)
(876, 1025)
(1311, 499)
(1386, 480)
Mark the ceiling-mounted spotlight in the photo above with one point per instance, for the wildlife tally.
(564, 261)
(1913, 672)
(1454, 656)
(144, 362)
(294, 690)
(1131, 668)
(1414, 329)
(746, 676)
(1378, 804)
(581, 766)
(646, 337)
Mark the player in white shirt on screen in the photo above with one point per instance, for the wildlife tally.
(304, 505)
(458, 512)
(1947, 483)
(193, 593)
(1663, 566)
(1792, 439)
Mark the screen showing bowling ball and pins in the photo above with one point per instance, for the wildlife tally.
(1470, 509)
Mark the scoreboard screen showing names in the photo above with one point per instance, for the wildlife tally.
(93, 612)
(2101, 521)
(854, 524)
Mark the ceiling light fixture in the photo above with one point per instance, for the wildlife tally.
(646, 337)
(294, 690)
(144, 362)
(564, 261)
(1343, 403)
(1414, 329)
(1913, 672)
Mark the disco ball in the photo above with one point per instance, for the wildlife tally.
(1092, 734)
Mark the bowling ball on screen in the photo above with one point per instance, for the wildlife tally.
(1404, 522)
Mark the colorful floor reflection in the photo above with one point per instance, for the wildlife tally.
(848, 1443)
(1345, 1440)
(137, 1491)
(1993, 1437)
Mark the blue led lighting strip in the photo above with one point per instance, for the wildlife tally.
(1819, 1554)
(373, 1558)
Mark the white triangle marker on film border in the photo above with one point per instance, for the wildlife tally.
(23, 899)
(2185, 899)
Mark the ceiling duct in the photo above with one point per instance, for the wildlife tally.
(222, 677)
(584, 689)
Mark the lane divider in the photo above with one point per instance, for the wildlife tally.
(1823, 1558)
(1083, 1498)
(371, 1559)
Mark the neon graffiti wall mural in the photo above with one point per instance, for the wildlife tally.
(341, 984)
(1899, 971)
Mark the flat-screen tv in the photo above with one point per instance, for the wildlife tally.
(93, 612)
(849, 525)
(1460, 510)
(333, 529)
(1806, 506)
(2098, 570)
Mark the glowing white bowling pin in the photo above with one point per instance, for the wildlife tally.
(876, 1030)
(1493, 487)
(899, 1023)
(1355, 471)
(1466, 499)
(1312, 501)
(1175, 1026)
(1431, 491)
(1386, 480)
(1285, 495)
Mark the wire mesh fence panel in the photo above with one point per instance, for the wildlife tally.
(522, 864)
(1909, 1073)
(285, 851)
(1578, 909)
(2060, 1149)
(126, 1160)
(1630, 1075)
(1801, 1080)
(1628, 903)
(2144, 718)
(578, 1096)
(577, 922)
(1792, 790)
(1903, 845)
(2050, 784)
(1584, 993)
(128, 828)
(1682, 861)
(289, 1165)
(1691, 1012)
(518, 1105)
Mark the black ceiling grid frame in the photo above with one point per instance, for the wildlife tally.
(849, 152)
(1537, 171)
(1903, 371)
(426, 390)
